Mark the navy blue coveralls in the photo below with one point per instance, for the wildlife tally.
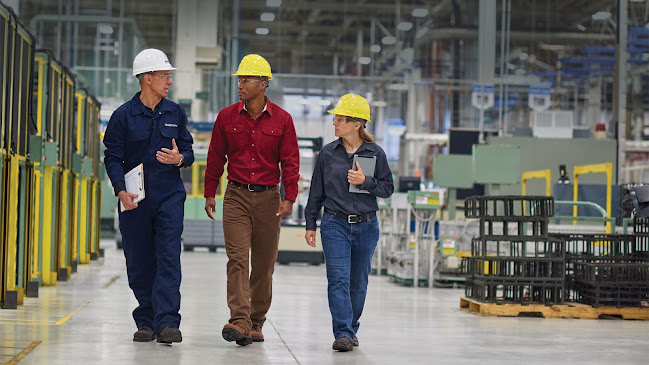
(151, 232)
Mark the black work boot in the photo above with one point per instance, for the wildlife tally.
(343, 344)
(170, 334)
(144, 334)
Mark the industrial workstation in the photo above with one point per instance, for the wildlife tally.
(324, 182)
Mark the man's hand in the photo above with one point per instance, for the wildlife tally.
(127, 199)
(285, 208)
(310, 238)
(356, 177)
(169, 156)
(210, 207)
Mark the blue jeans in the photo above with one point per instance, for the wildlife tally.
(348, 250)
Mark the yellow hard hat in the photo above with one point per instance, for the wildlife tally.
(352, 105)
(254, 65)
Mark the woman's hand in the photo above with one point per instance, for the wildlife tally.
(356, 177)
(310, 238)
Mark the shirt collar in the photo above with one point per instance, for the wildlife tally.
(139, 108)
(364, 146)
(267, 107)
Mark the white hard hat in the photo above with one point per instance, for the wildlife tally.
(149, 60)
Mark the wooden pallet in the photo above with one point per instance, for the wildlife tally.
(568, 310)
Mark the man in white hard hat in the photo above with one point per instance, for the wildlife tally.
(254, 136)
(152, 131)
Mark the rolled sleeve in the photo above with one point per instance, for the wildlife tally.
(290, 160)
(114, 154)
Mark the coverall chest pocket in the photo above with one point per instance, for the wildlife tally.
(169, 132)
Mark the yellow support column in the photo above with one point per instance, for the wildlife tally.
(84, 255)
(35, 270)
(12, 220)
(64, 224)
(49, 271)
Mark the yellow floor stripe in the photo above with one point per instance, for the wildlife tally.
(65, 319)
(114, 279)
(23, 353)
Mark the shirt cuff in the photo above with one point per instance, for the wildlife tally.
(119, 186)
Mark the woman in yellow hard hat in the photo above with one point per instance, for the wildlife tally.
(349, 174)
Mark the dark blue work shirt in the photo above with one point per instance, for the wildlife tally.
(135, 133)
(329, 186)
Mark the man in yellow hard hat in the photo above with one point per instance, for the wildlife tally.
(255, 137)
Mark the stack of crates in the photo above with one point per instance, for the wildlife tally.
(514, 260)
(609, 270)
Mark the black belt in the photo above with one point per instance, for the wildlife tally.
(251, 187)
(351, 218)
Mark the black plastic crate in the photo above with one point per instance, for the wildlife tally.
(527, 246)
(510, 227)
(641, 226)
(612, 295)
(516, 292)
(589, 245)
(518, 268)
(612, 273)
(508, 206)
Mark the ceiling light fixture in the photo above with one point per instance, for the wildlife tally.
(419, 12)
(601, 15)
(389, 40)
(273, 3)
(375, 48)
(404, 26)
(261, 31)
(267, 17)
(364, 60)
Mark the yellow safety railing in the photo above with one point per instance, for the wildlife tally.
(198, 170)
(538, 174)
(605, 168)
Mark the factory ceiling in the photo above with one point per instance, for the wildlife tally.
(328, 36)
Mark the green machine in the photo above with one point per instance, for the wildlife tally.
(380, 260)
(488, 164)
(423, 207)
(15, 228)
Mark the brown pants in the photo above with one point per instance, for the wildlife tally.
(250, 225)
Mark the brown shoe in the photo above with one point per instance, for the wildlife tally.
(355, 342)
(343, 344)
(232, 332)
(255, 333)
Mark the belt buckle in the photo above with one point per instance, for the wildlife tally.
(249, 189)
(351, 219)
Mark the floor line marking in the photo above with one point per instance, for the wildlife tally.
(114, 279)
(284, 342)
(65, 319)
(23, 353)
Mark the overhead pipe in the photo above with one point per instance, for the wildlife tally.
(440, 34)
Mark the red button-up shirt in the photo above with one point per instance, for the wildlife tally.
(253, 149)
